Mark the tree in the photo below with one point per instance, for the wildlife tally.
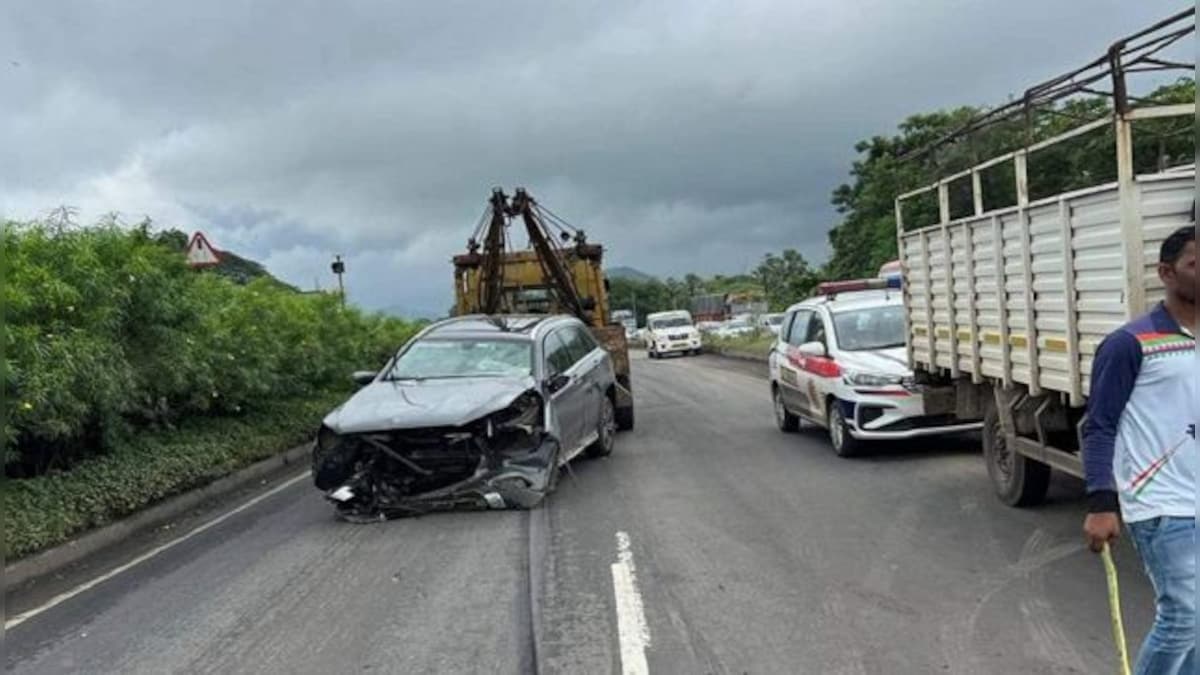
(866, 237)
(786, 278)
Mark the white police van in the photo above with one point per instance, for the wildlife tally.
(839, 362)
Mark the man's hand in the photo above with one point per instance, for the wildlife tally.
(1101, 529)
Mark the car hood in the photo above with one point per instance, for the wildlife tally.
(880, 362)
(410, 404)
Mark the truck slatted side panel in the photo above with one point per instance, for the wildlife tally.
(940, 296)
(1068, 251)
(962, 286)
(987, 302)
(915, 288)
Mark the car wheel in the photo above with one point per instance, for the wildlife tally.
(843, 443)
(1017, 479)
(606, 430)
(786, 421)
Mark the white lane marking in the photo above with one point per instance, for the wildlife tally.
(633, 633)
(63, 597)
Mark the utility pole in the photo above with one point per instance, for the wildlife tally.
(339, 268)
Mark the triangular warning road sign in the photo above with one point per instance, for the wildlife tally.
(200, 253)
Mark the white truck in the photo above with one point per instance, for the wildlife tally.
(1009, 305)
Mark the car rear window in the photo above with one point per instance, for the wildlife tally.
(433, 358)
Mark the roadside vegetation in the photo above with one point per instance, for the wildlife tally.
(758, 345)
(129, 377)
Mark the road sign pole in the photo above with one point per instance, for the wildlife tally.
(339, 268)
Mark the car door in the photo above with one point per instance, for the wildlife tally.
(569, 402)
(788, 362)
(817, 374)
(590, 360)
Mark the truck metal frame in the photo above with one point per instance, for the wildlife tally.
(1010, 304)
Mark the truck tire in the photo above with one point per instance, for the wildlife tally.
(844, 445)
(625, 418)
(1017, 479)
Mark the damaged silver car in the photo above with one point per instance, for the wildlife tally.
(474, 412)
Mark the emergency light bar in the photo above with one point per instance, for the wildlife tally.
(832, 288)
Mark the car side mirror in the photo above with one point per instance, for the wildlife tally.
(364, 377)
(812, 349)
(557, 383)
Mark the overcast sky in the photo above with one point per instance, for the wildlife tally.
(685, 135)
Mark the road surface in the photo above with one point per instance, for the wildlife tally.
(709, 542)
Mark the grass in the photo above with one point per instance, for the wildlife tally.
(758, 344)
(48, 510)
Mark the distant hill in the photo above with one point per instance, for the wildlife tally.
(628, 273)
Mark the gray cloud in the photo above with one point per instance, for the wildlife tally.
(687, 136)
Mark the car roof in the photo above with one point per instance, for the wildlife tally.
(851, 301)
(502, 327)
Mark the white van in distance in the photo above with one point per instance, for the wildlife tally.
(671, 333)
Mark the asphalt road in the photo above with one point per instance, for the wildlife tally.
(748, 551)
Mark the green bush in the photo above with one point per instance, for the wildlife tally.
(47, 510)
(109, 334)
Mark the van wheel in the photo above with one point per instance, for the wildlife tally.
(786, 421)
(843, 443)
(1017, 479)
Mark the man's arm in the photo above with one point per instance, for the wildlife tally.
(1114, 373)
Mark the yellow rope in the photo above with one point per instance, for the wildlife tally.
(1114, 605)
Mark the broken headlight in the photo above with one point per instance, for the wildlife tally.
(327, 439)
(525, 414)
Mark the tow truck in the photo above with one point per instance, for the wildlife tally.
(560, 272)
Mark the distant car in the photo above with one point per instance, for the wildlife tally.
(671, 333)
(473, 412)
(771, 322)
(738, 327)
(839, 362)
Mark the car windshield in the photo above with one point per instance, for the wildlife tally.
(463, 358)
(677, 322)
(867, 329)
(739, 323)
(775, 320)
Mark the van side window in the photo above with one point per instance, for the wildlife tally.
(816, 330)
(785, 328)
(800, 327)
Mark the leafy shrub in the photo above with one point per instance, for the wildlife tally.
(108, 333)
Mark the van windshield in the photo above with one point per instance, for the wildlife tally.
(673, 322)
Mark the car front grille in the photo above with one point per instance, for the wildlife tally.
(922, 422)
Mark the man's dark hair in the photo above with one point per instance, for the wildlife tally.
(1173, 246)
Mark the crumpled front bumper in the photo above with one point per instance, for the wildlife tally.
(388, 482)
